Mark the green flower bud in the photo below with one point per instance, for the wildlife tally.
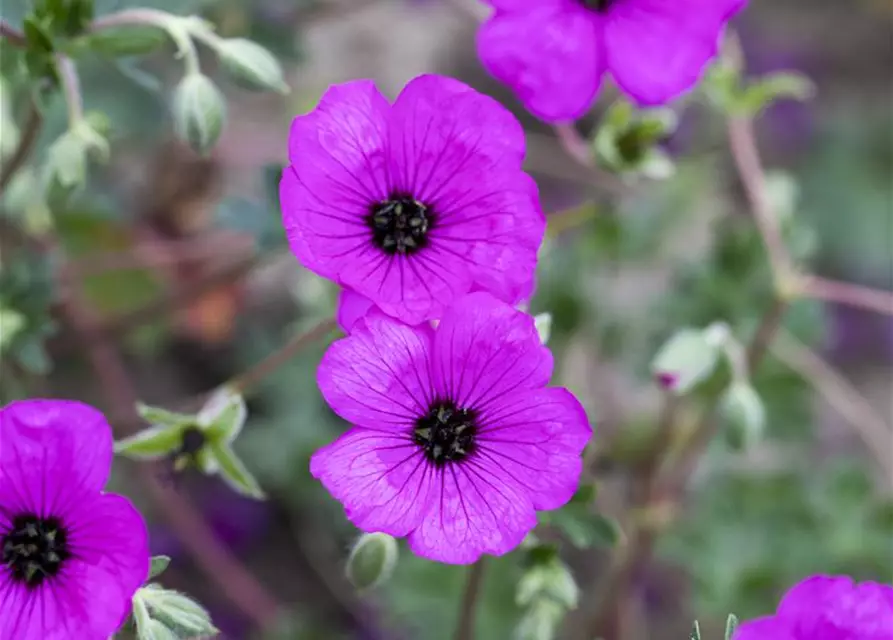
(199, 112)
(744, 415)
(372, 560)
(251, 65)
(687, 359)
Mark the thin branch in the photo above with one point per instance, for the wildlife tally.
(30, 132)
(852, 295)
(282, 355)
(468, 608)
(750, 168)
(872, 429)
(71, 88)
(234, 580)
(12, 35)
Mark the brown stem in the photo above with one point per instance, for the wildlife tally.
(12, 35)
(852, 295)
(870, 426)
(71, 88)
(279, 357)
(468, 608)
(750, 168)
(211, 556)
(29, 137)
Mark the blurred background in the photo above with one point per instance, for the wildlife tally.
(187, 273)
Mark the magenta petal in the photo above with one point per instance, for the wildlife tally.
(383, 480)
(836, 608)
(441, 133)
(110, 562)
(472, 512)
(352, 307)
(378, 376)
(769, 628)
(337, 171)
(534, 440)
(495, 227)
(551, 55)
(485, 349)
(50, 451)
(657, 50)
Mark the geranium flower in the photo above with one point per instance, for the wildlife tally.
(554, 53)
(71, 556)
(457, 441)
(827, 608)
(413, 204)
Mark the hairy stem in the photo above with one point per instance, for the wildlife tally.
(468, 608)
(30, 132)
(279, 357)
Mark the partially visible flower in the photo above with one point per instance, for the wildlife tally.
(71, 556)
(554, 53)
(457, 441)
(827, 608)
(412, 204)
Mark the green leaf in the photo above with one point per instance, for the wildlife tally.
(157, 566)
(686, 359)
(695, 631)
(37, 36)
(372, 560)
(11, 323)
(731, 625)
(155, 630)
(543, 322)
(223, 416)
(234, 472)
(776, 86)
(540, 621)
(151, 444)
(177, 611)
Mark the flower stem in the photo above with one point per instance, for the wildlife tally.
(173, 25)
(12, 35)
(465, 628)
(279, 357)
(26, 143)
(71, 87)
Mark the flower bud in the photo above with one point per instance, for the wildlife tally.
(685, 360)
(744, 415)
(372, 560)
(199, 112)
(251, 65)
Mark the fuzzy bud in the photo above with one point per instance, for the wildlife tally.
(251, 65)
(372, 560)
(199, 112)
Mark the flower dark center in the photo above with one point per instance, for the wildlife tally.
(399, 225)
(34, 549)
(599, 6)
(446, 433)
(192, 440)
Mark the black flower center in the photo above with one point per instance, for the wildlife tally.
(192, 440)
(599, 6)
(400, 224)
(446, 433)
(34, 549)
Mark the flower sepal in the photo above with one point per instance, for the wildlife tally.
(203, 440)
(160, 613)
(628, 141)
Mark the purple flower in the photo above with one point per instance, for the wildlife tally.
(827, 608)
(553, 53)
(413, 204)
(72, 556)
(456, 440)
